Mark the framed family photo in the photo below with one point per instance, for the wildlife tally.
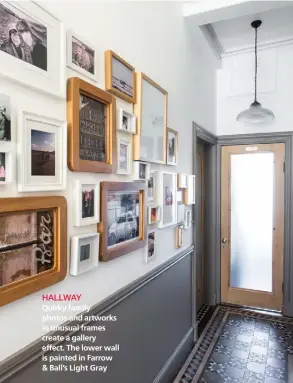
(124, 156)
(91, 117)
(172, 147)
(150, 253)
(126, 122)
(120, 77)
(141, 171)
(81, 56)
(87, 206)
(5, 118)
(33, 245)
(123, 218)
(41, 153)
(84, 253)
(32, 47)
(167, 198)
(6, 166)
(151, 112)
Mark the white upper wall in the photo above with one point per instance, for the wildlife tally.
(153, 37)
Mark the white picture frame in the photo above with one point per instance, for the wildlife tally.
(43, 70)
(90, 214)
(182, 181)
(179, 196)
(189, 192)
(180, 213)
(154, 214)
(141, 171)
(84, 253)
(31, 130)
(150, 249)
(120, 169)
(188, 219)
(8, 166)
(70, 35)
(152, 187)
(167, 198)
(128, 126)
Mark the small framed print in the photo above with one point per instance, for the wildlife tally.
(188, 219)
(123, 218)
(5, 167)
(179, 236)
(5, 118)
(189, 193)
(33, 245)
(124, 153)
(152, 186)
(180, 213)
(126, 121)
(141, 170)
(81, 56)
(182, 181)
(167, 198)
(42, 153)
(87, 207)
(172, 147)
(150, 253)
(154, 214)
(91, 116)
(84, 253)
(179, 196)
(120, 77)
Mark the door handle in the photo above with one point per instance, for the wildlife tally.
(224, 240)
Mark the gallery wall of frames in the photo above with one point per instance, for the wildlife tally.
(98, 135)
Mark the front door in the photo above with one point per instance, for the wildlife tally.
(252, 225)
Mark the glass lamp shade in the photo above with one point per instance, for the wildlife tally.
(256, 114)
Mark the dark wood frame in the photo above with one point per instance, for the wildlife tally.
(75, 87)
(21, 288)
(128, 246)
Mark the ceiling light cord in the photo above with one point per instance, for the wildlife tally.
(255, 64)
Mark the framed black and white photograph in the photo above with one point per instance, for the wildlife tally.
(172, 147)
(150, 253)
(42, 153)
(124, 156)
(167, 198)
(182, 181)
(141, 170)
(31, 46)
(6, 167)
(87, 204)
(84, 253)
(5, 118)
(81, 56)
(154, 214)
(126, 122)
(152, 182)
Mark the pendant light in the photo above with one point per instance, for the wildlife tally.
(256, 113)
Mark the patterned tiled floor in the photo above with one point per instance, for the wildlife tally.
(240, 346)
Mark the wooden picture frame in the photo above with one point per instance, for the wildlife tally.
(114, 217)
(189, 192)
(179, 236)
(24, 208)
(129, 94)
(75, 88)
(88, 259)
(150, 143)
(172, 147)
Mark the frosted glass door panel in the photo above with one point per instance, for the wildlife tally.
(252, 194)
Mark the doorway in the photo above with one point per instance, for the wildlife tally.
(252, 225)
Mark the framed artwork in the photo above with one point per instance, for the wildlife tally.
(154, 214)
(81, 56)
(188, 219)
(151, 111)
(167, 198)
(84, 253)
(120, 77)
(91, 117)
(5, 117)
(124, 153)
(172, 147)
(180, 213)
(5, 167)
(33, 253)
(189, 193)
(182, 181)
(32, 47)
(87, 206)
(179, 236)
(123, 218)
(152, 185)
(150, 253)
(126, 121)
(179, 196)
(141, 170)
(42, 153)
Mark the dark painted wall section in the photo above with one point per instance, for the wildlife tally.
(151, 324)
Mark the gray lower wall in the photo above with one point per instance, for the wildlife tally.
(154, 330)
